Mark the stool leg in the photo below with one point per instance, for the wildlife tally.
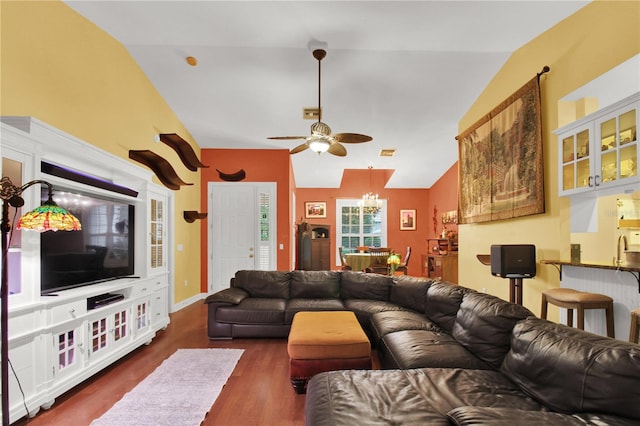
(570, 317)
(634, 333)
(611, 332)
(581, 317)
(543, 307)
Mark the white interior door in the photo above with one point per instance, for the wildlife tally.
(242, 218)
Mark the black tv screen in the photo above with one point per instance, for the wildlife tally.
(103, 250)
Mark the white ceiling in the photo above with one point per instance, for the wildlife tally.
(401, 72)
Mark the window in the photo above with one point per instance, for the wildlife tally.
(357, 228)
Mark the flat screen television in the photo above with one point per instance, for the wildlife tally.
(103, 250)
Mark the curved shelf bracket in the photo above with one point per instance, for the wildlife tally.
(232, 177)
(637, 277)
(184, 150)
(161, 167)
(191, 216)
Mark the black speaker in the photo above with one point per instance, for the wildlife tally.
(513, 260)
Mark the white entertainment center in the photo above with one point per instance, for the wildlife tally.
(58, 340)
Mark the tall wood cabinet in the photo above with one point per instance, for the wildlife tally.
(441, 262)
(314, 247)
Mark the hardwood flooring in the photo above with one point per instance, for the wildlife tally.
(257, 393)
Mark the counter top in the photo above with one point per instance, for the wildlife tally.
(592, 265)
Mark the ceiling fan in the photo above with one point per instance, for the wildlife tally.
(321, 139)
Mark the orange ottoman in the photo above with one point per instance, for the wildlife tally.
(325, 341)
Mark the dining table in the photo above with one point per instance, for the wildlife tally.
(358, 261)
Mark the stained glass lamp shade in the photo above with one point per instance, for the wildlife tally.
(49, 217)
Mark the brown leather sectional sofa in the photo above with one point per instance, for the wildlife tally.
(450, 355)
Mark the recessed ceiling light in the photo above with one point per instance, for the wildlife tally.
(192, 61)
(387, 152)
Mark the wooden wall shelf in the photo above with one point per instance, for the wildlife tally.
(184, 150)
(191, 216)
(232, 177)
(161, 167)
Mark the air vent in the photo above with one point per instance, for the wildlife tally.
(387, 152)
(311, 114)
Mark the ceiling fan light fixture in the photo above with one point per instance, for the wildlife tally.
(319, 145)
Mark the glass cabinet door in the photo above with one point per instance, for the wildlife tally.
(618, 147)
(628, 144)
(576, 160)
(156, 243)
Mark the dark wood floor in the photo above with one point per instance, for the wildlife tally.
(258, 392)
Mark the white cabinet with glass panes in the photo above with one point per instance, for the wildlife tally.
(156, 234)
(600, 150)
(109, 330)
(69, 350)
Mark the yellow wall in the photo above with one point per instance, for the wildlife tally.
(587, 44)
(60, 68)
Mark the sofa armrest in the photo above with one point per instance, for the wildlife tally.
(467, 416)
(231, 295)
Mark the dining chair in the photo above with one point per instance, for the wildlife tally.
(403, 266)
(343, 261)
(363, 249)
(378, 260)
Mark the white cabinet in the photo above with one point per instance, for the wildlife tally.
(600, 151)
(56, 341)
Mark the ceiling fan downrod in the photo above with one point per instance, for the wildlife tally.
(319, 54)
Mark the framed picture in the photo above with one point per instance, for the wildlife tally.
(315, 209)
(407, 220)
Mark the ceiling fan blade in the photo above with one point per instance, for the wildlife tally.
(351, 138)
(337, 149)
(299, 148)
(287, 138)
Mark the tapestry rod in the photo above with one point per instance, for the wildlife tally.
(545, 70)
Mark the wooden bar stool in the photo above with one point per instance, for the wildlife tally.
(579, 300)
(634, 333)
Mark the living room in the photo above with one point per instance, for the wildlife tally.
(51, 65)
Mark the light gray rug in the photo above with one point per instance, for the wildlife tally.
(178, 393)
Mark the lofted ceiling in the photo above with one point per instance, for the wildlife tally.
(401, 72)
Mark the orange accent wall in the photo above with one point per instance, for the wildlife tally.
(444, 196)
(357, 182)
(275, 166)
(260, 166)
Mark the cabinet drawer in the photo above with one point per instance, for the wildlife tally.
(67, 312)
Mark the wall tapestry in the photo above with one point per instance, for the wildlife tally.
(500, 161)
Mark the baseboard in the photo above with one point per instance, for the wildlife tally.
(184, 303)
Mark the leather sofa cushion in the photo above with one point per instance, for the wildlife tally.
(443, 302)
(406, 397)
(570, 370)
(410, 292)
(360, 285)
(484, 324)
(253, 310)
(299, 305)
(421, 349)
(473, 416)
(232, 295)
(263, 283)
(365, 308)
(315, 285)
(387, 322)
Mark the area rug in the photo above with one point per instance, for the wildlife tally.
(179, 392)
